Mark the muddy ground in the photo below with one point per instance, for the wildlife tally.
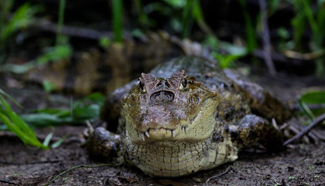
(301, 164)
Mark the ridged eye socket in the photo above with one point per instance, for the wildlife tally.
(142, 87)
(183, 84)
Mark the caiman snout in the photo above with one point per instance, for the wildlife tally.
(162, 97)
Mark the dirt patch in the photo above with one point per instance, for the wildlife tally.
(302, 165)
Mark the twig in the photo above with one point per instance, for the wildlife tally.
(218, 175)
(8, 182)
(317, 121)
(305, 56)
(279, 57)
(77, 167)
(74, 31)
(266, 38)
(29, 163)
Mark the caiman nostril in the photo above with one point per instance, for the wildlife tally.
(161, 97)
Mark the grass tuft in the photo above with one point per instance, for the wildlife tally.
(17, 126)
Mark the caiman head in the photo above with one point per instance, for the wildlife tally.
(176, 108)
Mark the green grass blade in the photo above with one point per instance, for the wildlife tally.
(250, 31)
(18, 126)
(21, 18)
(310, 16)
(28, 140)
(306, 110)
(321, 19)
(5, 9)
(299, 25)
(59, 142)
(85, 109)
(117, 6)
(60, 22)
(312, 97)
(17, 120)
(11, 99)
(198, 16)
(44, 119)
(187, 18)
(48, 138)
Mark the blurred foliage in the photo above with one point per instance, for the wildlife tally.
(51, 54)
(314, 16)
(48, 86)
(62, 49)
(60, 39)
(104, 42)
(117, 10)
(23, 16)
(165, 8)
(181, 16)
(250, 31)
(10, 24)
(184, 14)
(232, 52)
(80, 111)
(315, 97)
(187, 18)
(54, 54)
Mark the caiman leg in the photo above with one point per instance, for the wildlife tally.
(260, 101)
(104, 144)
(251, 129)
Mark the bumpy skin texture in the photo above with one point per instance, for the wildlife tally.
(174, 124)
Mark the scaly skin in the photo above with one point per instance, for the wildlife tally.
(179, 124)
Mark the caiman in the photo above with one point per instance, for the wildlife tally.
(187, 115)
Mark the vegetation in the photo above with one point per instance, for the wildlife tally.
(316, 97)
(16, 125)
(83, 110)
(117, 10)
(10, 24)
(86, 109)
(315, 19)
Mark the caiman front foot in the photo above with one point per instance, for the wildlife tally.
(251, 129)
(104, 144)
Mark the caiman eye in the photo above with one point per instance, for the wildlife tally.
(142, 87)
(183, 84)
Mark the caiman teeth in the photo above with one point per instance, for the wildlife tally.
(174, 133)
(186, 129)
(181, 128)
(142, 136)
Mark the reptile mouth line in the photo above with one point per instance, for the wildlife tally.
(182, 129)
(171, 131)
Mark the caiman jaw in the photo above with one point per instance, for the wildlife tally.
(165, 133)
(197, 128)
